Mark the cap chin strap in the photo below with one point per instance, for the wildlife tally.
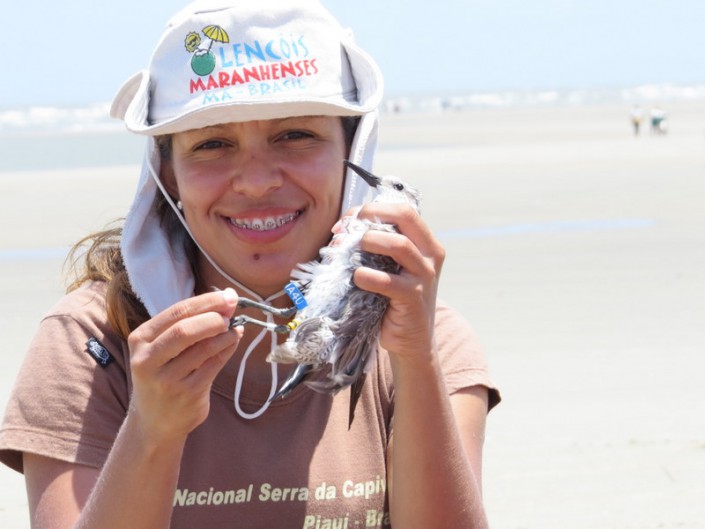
(258, 339)
(241, 375)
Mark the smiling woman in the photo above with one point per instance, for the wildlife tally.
(144, 402)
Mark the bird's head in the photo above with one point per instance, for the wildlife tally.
(389, 188)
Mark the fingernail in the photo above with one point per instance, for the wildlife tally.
(230, 296)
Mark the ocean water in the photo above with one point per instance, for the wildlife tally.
(56, 149)
(41, 137)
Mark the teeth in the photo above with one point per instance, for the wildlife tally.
(268, 223)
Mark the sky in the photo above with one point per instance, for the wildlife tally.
(80, 51)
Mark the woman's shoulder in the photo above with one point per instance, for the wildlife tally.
(77, 334)
(81, 315)
(85, 305)
(88, 297)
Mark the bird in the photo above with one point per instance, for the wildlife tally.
(337, 326)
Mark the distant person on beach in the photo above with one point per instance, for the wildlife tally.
(658, 121)
(635, 118)
(139, 405)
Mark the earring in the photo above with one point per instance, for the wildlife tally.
(179, 205)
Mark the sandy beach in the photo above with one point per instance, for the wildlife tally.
(575, 249)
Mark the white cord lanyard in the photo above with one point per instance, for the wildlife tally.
(241, 375)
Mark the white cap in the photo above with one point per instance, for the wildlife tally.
(179, 92)
(229, 61)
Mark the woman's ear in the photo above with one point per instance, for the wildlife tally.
(166, 175)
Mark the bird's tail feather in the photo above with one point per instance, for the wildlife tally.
(355, 392)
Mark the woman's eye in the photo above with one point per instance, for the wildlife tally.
(294, 135)
(210, 144)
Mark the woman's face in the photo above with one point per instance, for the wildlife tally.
(259, 196)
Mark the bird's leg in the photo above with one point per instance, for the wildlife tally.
(237, 321)
(282, 313)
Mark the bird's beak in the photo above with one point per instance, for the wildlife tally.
(372, 180)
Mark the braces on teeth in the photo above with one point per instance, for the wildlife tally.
(268, 223)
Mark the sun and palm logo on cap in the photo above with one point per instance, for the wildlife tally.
(203, 59)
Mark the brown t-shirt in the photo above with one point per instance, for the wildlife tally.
(296, 466)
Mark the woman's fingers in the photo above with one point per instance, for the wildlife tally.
(184, 324)
(409, 223)
(223, 302)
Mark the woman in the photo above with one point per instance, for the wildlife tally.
(122, 415)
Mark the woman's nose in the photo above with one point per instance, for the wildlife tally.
(256, 175)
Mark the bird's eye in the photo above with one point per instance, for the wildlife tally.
(399, 187)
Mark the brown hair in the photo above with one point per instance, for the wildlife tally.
(97, 257)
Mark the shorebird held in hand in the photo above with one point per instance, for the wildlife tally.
(338, 328)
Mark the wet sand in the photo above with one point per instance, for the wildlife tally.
(575, 249)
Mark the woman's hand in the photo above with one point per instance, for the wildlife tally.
(175, 356)
(407, 328)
